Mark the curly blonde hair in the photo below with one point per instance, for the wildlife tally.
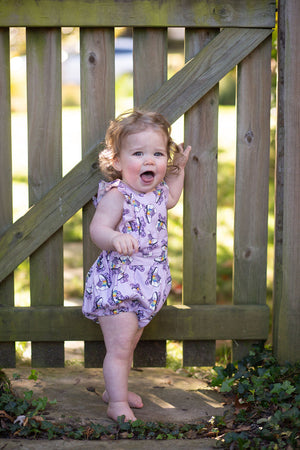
(132, 122)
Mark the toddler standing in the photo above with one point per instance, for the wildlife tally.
(130, 281)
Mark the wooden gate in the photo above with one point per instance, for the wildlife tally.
(218, 37)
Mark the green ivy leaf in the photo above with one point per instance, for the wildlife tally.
(227, 385)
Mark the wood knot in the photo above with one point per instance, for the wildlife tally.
(92, 58)
(195, 159)
(95, 166)
(249, 137)
(247, 253)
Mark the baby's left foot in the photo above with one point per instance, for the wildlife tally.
(134, 400)
(118, 409)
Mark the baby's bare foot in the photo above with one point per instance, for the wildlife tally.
(117, 409)
(134, 400)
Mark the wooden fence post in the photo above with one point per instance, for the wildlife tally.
(44, 171)
(97, 73)
(286, 329)
(200, 204)
(252, 182)
(7, 349)
(149, 72)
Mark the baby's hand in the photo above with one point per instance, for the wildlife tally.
(125, 244)
(181, 156)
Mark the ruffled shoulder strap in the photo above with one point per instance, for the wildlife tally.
(105, 186)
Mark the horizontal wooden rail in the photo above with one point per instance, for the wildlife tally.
(173, 99)
(196, 322)
(143, 13)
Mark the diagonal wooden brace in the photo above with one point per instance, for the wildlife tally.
(173, 99)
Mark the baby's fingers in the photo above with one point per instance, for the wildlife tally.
(133, 245)
(184, 151)
(125, 244)
(181, 158)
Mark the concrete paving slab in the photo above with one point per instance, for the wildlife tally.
(168, 397)
(13, 444)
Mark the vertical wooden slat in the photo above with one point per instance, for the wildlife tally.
(200, 204)
(7, 349)
(286, 330)
(44, 171)
(252, 182)
(97, 74)
(149, 62)
(149, 73)
(279, 177)
(94, 354)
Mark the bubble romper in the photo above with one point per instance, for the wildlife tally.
(139, 283)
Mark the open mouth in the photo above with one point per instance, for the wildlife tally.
(148, 176)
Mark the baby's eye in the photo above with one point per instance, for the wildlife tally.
(158, 154)
(137, 154)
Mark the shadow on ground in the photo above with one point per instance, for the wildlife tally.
(168, 397)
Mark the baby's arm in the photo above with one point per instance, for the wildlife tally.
(103, 225)
(175, 179)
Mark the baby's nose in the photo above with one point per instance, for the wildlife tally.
(149, 160)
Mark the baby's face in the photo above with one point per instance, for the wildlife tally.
(143, 159)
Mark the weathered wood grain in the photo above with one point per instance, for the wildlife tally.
(150, 63)
(173, 322)
(200, 189)
(45, 153)
(47, 323)
(48, 215)
(97, 84)
(200, 203)
(287, 236)
(97, 75)
(197, 77)
(204, 71)
(143, 13)
(252, 181)
(7, 349)
(44, 171)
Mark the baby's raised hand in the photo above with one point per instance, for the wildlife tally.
(181, 156)
(125, 244)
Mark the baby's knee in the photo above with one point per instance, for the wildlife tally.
(123, 351)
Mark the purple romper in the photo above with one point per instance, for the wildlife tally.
(139, 283)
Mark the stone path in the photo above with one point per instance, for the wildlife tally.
(167, 396)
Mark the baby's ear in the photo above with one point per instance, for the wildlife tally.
(117, 164)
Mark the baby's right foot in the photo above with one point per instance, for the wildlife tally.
(134, 400)
(117, 409)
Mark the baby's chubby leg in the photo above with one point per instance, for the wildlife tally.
(121, 334)
(134, 400)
